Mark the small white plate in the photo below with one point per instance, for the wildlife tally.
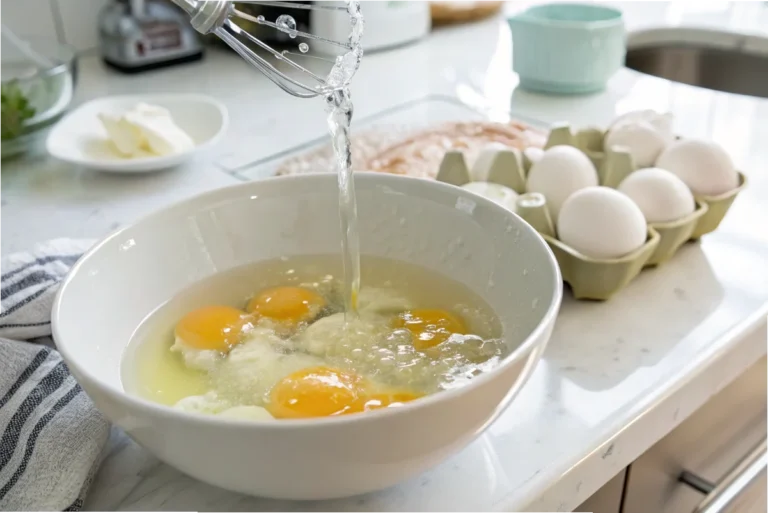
(80, 138)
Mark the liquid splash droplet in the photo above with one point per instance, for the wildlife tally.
(286, 24)
(260, 19)
(303, 47)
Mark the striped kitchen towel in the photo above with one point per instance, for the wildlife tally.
(51, 435)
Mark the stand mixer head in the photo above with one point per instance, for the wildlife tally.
(220, 18)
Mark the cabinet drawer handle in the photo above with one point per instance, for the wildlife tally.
(722, 494)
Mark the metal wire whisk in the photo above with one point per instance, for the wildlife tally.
(219, 17)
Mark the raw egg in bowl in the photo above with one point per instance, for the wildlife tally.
(211, 331)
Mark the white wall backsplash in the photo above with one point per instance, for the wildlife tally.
(71, 21)
(31, 18)
(79, 21)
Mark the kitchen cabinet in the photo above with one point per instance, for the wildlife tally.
(608, 498)
(705, 448)
(706, 445)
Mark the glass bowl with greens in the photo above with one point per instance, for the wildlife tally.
(38, 83)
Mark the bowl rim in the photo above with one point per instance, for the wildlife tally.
(533, 16)
(63, 65)
(168, 412)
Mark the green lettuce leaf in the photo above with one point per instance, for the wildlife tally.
(15, 110)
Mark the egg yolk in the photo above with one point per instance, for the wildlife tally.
(315, 392)
(212, 327)
(429, 327)
(289, 305)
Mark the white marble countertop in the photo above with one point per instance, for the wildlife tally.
(616, 377)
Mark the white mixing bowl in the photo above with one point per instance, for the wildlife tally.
(442, 227)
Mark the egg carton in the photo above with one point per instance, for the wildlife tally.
(591, 278)
(614, 165)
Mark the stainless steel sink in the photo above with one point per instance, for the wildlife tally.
(722, 69)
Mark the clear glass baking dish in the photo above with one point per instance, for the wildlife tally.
(413, 115)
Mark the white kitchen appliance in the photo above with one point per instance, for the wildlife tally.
(387, 24)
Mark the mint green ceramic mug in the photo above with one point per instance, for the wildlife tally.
(567, 48)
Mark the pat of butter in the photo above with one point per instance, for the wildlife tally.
(146, 129)
(125, 137)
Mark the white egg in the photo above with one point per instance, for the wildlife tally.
(200, 359)
(705, 167)
(561, 171)
(602, 223)
(661, 195)
(642, 140)
(482, 164)
(495, 192)
(246, 413)
(661, 122)
(532, 155)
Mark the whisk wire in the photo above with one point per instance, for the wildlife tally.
(295, 33)
(278, 55)
(262, 64)
(219, 17)
(304, 55)
(293, 5)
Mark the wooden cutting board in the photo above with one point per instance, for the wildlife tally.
(461, 11)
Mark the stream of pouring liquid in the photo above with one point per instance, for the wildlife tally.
(339, 117)
(339, 105)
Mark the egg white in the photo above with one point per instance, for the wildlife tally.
(253, 367)
(241, 379)
(209, 403)
(370, 347)
(198, 359)
(382, 301)
(332, 336)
